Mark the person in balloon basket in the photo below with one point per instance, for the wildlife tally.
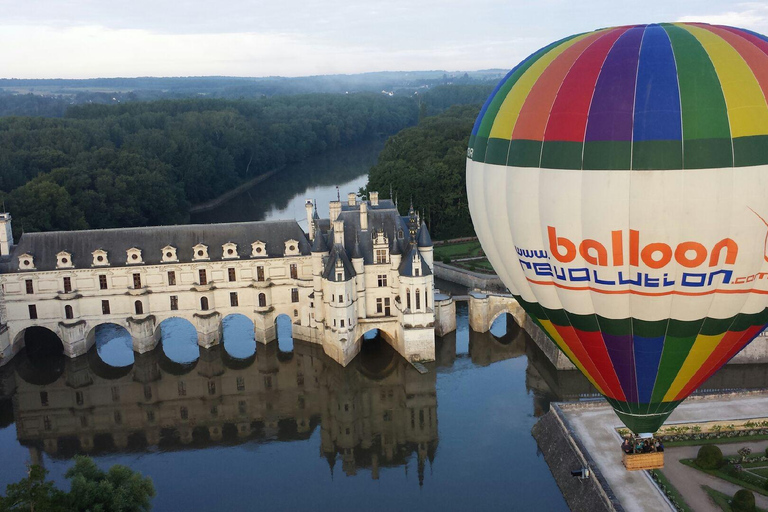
(626, 446)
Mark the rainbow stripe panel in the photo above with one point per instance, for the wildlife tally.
(645, 369)
(645, 97)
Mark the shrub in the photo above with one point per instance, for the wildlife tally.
(709, 457)
(446, 260)
(743, 501)
(766, 451)
(744, 453)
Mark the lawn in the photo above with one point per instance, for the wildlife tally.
(459, 250)
(482, 266)
(728, 478)
(722, 500)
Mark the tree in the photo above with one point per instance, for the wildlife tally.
(33, 494)
(709, 457)
(743, 501)
(118, 490)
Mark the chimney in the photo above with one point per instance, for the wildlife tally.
(335, 209)
(338, 232)
(364, 216)
(310, 224)
(351, 199)
(6, 235)
(374, 197)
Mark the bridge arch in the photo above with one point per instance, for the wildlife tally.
(284, 332)
(177, 339)
(378, 358)
(113, 343)
(237, 336)
(39, 341)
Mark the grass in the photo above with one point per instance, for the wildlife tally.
(760, 471)
(672, 492)
(482, 266)
(460, 250)
(724, 440)
(722, 500)
(728, 478)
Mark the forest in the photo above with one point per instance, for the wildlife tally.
(146, 163)
(426, 164)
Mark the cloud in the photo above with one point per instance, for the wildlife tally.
(97, 51)
(747, 15)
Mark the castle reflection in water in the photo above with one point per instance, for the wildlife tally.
(377, 412)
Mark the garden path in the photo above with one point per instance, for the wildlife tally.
(688, 481)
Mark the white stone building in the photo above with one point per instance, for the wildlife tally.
(364, 268)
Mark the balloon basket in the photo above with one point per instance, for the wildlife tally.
(640, 461)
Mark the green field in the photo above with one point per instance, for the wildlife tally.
(457, 251)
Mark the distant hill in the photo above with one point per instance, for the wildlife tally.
(52, 97)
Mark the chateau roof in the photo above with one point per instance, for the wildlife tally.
(424, 239)
(338, 254)
(151, 240)
(407, 266)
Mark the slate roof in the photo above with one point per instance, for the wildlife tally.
(338, 254)
(151, 240)
(406, 266)
(424, 239)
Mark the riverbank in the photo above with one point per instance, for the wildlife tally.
(226, 196)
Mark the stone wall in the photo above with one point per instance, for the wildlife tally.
(563, 454)
(472, 280)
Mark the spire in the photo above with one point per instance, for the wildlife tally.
(413, 225)
(424, 239)
(338, 195)
(319, 244)
(356, 252)
(315, 216)
(395, 250)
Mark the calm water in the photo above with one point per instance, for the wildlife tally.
(283, 196)
(284, 427)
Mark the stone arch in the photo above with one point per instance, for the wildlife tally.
(237, 325)
(378, 359)
(179, 338)
(284, 345)
(36, 338)
(119, 358)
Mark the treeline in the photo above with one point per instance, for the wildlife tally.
(426, 164)
(145, 163)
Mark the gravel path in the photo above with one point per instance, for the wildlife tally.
(689, 481)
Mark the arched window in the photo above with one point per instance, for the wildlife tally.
(204, 303)
(262, 300)
(139, 307)
(68, 312)
(407, 298)
(418, 299)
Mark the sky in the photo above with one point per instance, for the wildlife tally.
(99, 38)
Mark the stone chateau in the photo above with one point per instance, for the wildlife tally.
(363, 268)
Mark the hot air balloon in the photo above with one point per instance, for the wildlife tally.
(618, 183)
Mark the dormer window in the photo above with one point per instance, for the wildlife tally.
(100, 258)
(169, 254)
(292, 248)
(64, 260)
(229, 250)
(26, 262)
(134, 256)
(200, 252)
(258, 249)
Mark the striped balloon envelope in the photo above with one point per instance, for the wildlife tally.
(618, 183)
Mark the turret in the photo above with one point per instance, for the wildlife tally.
(424, 243)
(6, 235)
(319, 250)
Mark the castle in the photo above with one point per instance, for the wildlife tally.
(363, 268)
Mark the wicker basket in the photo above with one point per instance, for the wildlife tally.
(638, 461)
